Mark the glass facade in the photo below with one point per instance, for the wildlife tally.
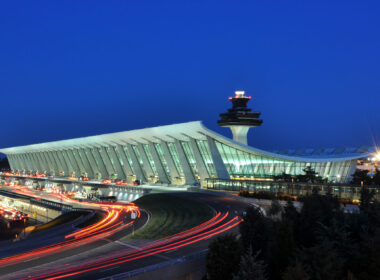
(206, 156)
(298, 189)
(150, 159)
(175, 157)
(128, 156)
(190, 157)
(161, 156)
(243, 164)
(139, 159)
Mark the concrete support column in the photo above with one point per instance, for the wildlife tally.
(48, 161)
(86, 163)
(189, 175)
(136, 165)
(100, 163)
(78, 160)
(221, 170)
(117, 164)
(68, 162)
(32, 164)
(62, 160)
(18, 163)
(11, 162)
(126, 167)
(92, 161)
(27, 162)
(54, 159)
(169, 161)
(37, 161)
(107, 161)
(45, 162)
(201, 166)
(162, 176)
(42, 162)
(73, 162)
(146, 164)
(54, 165)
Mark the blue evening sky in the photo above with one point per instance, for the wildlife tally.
(79, 68)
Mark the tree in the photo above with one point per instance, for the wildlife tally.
(290, 213)
(282, 249)
(322, 261)
(275, 208)
(366, 198)
(369, 258)
(250, 267)
(361, 176)
(255, 231)
(316, 210)
(296, 272)
(283, 177)
(376, 178)
(310, 174)
(223, 257)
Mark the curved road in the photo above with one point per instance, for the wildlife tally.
(109, 256)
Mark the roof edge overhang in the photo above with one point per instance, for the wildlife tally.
(181, 131)
(251, 149)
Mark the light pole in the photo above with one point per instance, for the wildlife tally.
(24, 228)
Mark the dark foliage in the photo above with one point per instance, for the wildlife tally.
(250, 267)
(309, 176)
(361, 176)
(223, 258)
(376, 178)
(275, 208)
(255, 231)
(318, 241)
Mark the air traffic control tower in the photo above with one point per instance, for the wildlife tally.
(240, 118)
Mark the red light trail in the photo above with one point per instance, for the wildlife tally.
(215, 227)
(107, 226)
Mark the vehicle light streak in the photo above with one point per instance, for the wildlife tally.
(93, 227)
(104, 228)
(189, 232)
(108, 225)
(130, 257)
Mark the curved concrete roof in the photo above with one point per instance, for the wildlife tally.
(195, 130)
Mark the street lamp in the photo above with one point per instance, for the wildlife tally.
(377, 156)
(24, 227)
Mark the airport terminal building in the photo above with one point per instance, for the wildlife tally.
(181, 154)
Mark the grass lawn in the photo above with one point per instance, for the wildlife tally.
(170, 214)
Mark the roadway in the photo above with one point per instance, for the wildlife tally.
(108, 255)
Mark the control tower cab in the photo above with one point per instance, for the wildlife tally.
(240, 118)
